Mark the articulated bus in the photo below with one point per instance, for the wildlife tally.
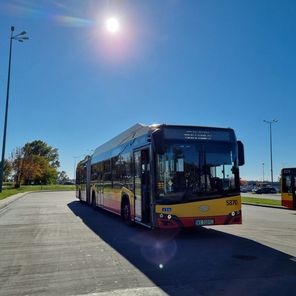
(288, 189)
(166, 176)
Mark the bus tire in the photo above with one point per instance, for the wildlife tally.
(126, 212)
(93, 200)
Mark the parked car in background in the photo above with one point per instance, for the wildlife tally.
(243, 189)
(69, 183)
(265, 190)
(246, 189)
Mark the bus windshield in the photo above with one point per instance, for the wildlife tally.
(195, 171)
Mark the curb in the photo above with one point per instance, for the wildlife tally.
(4, 203)
(7, 201)
(265, 206)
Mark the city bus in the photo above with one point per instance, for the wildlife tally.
(288, 187)
(166, 176)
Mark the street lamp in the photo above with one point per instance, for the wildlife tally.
(270, 141)
(263, 172)
(21, 37)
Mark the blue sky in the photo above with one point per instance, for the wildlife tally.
(223, 63)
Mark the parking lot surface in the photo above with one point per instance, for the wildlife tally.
(51, 244)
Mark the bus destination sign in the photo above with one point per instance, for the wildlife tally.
(289, 171)
(198, 134)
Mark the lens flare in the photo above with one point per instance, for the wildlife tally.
(159, 251)
(71, 21)
(52, 13)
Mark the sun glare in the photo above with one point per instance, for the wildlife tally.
(112, 25)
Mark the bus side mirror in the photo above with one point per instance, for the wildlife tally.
(241, 153)
(158, 142)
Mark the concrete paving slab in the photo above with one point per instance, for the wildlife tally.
(51, 244)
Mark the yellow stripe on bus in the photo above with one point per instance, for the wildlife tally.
(215, 207)
(287, 196)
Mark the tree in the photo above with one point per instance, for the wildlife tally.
(49, 173)
(17, 165)
(42, 149)
(62, 177)
(7, 169)
(35, 163)
(31, 169)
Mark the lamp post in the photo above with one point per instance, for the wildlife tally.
(263, 172)
(270, 143)
(21, 37)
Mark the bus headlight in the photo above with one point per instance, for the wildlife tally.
(169, 217)
(232, 214)
(161, 215)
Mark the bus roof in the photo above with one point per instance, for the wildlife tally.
(84, 160)
(136, 131)
(133, 132)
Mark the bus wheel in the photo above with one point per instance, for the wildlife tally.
(126, 213)
(93, 200)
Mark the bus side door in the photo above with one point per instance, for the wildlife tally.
(142, 185)
(100, 190)
(138, 185)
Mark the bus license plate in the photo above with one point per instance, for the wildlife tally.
(204, 222)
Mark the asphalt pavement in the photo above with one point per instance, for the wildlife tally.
(51, 244)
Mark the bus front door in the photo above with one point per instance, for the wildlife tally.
(142, 185)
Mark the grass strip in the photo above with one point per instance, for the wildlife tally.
(25, 188)
(261, 201)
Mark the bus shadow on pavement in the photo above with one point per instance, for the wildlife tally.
(195, 261)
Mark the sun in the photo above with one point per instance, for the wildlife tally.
(112, 25)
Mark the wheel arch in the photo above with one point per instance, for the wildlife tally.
(93, 197)
(124, 199)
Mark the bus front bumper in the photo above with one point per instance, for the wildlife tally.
(172, 221)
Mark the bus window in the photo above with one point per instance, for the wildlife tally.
(287, 184)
